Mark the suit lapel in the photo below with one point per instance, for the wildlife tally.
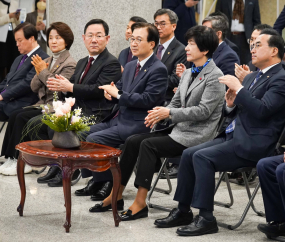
(230, 6)
(168, 52)
(142, 72)
(81, 69)
(63, 56)
(218, 51)
(131, 75)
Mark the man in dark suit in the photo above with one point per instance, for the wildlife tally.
(142, 87)
(15, 90)
(170, 51)
(99, 68)
(186, 15)
(126, 55)
(243, 15)
(256, 118)
(224, 57)
(279, 24)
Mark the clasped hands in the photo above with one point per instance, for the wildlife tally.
(110, 91)
(59, 84)
(156, 115)
(38, 63)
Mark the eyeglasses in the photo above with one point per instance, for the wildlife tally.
(97, 37)
(134, 40)
(162, 25)
(256, 46)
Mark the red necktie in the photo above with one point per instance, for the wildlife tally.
(137, 70)
(86, 69)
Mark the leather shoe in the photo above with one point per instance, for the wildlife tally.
(91, 188)
(103, 192)
(175, 218)
(52, 172)
(99, 207)
(57, 181)
(172, 172)
(272, 229)
(127, 215)
(199, 226)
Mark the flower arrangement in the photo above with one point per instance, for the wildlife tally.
(63, 119)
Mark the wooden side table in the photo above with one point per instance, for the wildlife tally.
(92, 156)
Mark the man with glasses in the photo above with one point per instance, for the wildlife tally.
(99, 68)
(142, 87)
(255, 110)
(170, 51)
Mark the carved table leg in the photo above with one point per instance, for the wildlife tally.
(66, 181)
(116, 172)
(21, 179)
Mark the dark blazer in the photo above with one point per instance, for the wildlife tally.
(232, 45)
(173, 55)
(18, 92)
(225, 58)
(123, 57)
(32, 18)
(185, 15)
(89, 97)
(260, 114)
(251, 14)
(141, 94)
(279, 24)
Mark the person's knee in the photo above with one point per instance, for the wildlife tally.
(280, 172)
(187, 157)
(262, 165)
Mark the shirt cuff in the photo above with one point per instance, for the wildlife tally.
(228, 109)
(118, 96)
(239, 90)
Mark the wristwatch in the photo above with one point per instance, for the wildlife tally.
(120, 92)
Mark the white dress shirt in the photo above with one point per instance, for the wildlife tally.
(165, 46)
(236, 25)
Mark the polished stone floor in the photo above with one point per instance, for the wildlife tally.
(44, 215)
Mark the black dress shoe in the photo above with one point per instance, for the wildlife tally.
(172, 172)
(272, 229)
(199, 226)
(52, 172)
(175, 218)
(57, 181)
(91, 188)
(103, 192)
(127, 215)
(99, 207)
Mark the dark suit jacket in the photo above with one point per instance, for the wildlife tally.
(279, 25)
(141, 94)
(32, 18)
(225, 58)
(173, 55)
(232, 45)
(185, 15)
(251, 14)
(123, 57)
(18, 92)
(89, 97)
(260, 114)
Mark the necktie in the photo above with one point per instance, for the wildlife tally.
(232, 125)
(86, 69)
(159, 51)
(130, 56)
(238, 12)
(22, 61)
(137, 70)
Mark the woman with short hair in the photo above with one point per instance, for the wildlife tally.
(60, 39)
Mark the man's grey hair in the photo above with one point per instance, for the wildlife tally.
(219, 23)
(172, 15)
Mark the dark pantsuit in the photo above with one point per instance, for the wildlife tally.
(105, 134)
(13, 136)
(196, 176)
(271, 172)
(146, 149)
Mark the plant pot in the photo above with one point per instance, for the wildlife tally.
(65, 140)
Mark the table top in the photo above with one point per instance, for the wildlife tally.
(44, 148)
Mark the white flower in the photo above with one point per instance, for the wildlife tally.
(56, 104)
(77, 111)
(75, 119)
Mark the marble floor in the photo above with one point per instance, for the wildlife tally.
(44, 216)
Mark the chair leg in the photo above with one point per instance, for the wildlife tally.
(227, 205)
(232, 227)
(153, 188)
(259, 213)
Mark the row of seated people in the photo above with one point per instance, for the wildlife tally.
(194, 112)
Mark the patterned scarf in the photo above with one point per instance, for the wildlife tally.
(198, 69)
(238, 12)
